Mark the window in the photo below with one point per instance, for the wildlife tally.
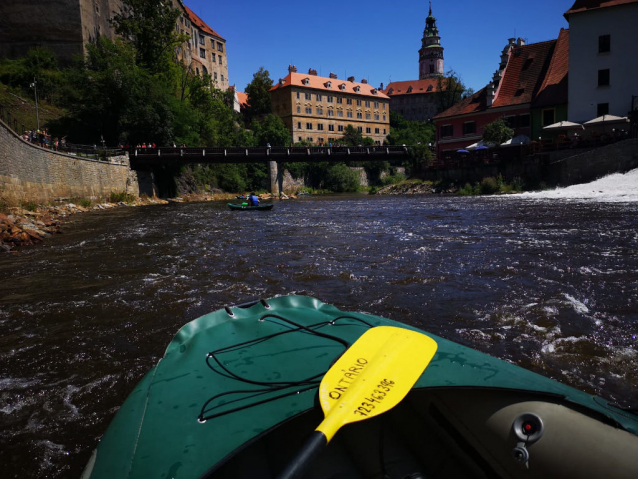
(308, 110)
(340, 114)
(219, 57)
(329, 98)
(384, 106)
(205, 71)
(368, 103)
(309, 139)
(510, 121)
(331, 128)
(603, 77)
(320, 126)
(384, 131)
(548, 117)
(367, 116)
(222, 78)
(197, 70)
(376, 131)
(298, 109)
(308, 126)
(469, 127)
(360, 129)
(604, 44)
(429, 88)
(383, 117)
(359, 115)
(523, 121)
(358, 102)
(376, 104)
(297, 95)
(431, 68)
(215, 76)
(376, 117)
(447, 130)
(214, 59)
(319, 111)
(339, 127)
(202, 40)
(348, 101)
(318, 97)
(220, 47)
(331, 113)
(339, 99)
(602, 109)
(298, 125)
(368, 130)
(307, 96)
(202, 53)
(349, 115)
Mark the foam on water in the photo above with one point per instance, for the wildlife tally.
(615, 188)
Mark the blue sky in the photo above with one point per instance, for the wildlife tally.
(374, 40)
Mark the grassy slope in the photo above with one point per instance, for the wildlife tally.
(23, 109)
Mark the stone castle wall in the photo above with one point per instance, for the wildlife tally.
(31, 173)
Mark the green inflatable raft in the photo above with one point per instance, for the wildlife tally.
(235, 396)
(233, 206)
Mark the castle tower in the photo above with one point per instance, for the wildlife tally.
(431, 52)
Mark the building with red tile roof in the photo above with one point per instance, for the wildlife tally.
(415, 100)
(603, 58)
(317, 109)
(510, 95)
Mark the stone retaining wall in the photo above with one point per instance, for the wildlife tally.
(31, 173)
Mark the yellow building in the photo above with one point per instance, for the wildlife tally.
(318, 109)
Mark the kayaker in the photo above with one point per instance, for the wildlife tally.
(253, 200)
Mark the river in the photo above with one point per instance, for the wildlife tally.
(547, 280)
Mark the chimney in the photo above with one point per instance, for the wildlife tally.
(333, 76)
(312, 72)
(351, 79)
(292, 69)
(364, 81)
(381, 87)
(520, 42)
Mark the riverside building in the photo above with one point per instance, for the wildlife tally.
(66, 26)
(318, 109)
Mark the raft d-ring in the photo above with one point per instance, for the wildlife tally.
(265, 303)
(229, 312)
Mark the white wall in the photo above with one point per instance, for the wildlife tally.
(621, 22)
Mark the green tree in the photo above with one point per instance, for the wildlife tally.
(271, 130)
(497, 132)
(258, 91)
(450, 90)
(340, 178)
(351, 136)
(150, 26)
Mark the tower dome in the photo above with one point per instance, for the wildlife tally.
(431, 52)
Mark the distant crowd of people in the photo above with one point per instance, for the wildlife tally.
(43, 139)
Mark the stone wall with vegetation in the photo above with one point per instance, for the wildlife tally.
(31, 173)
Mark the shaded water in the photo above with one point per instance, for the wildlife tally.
(547, 283)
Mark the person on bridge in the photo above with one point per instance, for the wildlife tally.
(253, 200)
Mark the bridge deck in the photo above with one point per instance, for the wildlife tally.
(148, 157)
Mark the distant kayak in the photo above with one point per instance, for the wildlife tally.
(246, 207)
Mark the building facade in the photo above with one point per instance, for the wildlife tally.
(510, 95)
(318, 109)
(603, 58)
(66, 26)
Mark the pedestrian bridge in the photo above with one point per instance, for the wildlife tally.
(148, 158)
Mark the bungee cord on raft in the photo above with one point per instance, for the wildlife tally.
(214, 362)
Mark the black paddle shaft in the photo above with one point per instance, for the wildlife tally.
(313, 446)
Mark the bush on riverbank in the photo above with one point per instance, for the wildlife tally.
(490, 186)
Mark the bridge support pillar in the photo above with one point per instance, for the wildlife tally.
(274, 178)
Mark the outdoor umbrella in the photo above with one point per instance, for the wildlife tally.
(482, 147)
(462, 151)
(564, 125)
(606, 120)
(480, 144)
(517, 140)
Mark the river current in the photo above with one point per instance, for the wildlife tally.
(548, 281)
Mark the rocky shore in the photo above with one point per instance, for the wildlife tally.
(20, 227)
(407, 188)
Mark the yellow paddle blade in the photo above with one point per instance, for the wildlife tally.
(373, 375)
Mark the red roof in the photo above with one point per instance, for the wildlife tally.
(418, 86)
(242, 97)
(471, 104)
(201, 24)
(553, 91)
(584, 5)
(522, 78)
(524, 73)
(321, 83)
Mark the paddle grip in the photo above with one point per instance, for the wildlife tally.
(313, 446)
